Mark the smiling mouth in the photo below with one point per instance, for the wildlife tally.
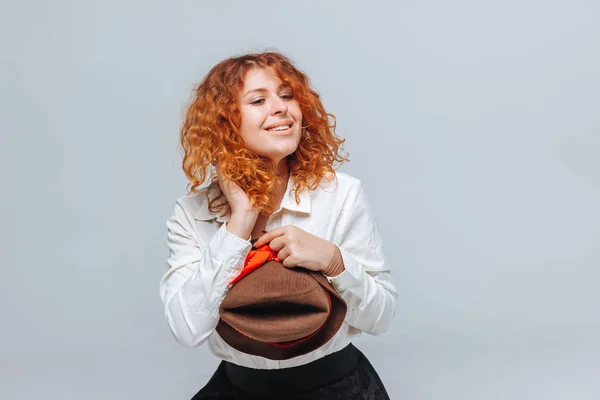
(281, 128)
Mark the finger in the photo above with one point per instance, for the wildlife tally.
(269, 236)
(220, 177)
(285, 257)
(277, 244)
(273, 233)
(255, 241)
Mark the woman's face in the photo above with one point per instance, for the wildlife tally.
(266, 103)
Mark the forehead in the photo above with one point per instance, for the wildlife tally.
(261, 77)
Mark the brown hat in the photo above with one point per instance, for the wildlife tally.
(278, 312)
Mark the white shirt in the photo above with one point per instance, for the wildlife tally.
(204, 257)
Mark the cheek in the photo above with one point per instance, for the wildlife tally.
(296, 112)
(253, 119)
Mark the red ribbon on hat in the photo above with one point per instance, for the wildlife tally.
(256, 258)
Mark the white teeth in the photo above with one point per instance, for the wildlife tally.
(280, 128)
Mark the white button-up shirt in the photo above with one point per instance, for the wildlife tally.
(204, 257)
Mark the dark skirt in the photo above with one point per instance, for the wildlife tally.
(353, 377)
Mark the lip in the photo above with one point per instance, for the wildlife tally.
(281, 133)
(285, 122)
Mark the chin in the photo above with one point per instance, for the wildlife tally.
(280, 153)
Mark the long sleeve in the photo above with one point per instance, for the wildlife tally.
(366, 284)
(197, 279)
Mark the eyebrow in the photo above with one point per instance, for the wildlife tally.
(262, 90)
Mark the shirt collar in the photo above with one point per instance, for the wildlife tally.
(288, 202)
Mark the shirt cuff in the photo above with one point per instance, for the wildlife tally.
(229, 248)
(352, 275)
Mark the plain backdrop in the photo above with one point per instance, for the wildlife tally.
(473, 125)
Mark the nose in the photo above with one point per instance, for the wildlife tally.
(278, 106)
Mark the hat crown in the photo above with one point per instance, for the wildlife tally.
(278, 312)
(276, 304)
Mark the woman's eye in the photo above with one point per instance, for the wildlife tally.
(285, 96)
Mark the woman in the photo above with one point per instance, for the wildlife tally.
(258, 123)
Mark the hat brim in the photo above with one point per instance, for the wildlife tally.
(334, 321)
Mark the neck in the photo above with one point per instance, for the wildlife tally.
(282, 170)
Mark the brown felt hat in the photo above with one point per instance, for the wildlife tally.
(279, 313)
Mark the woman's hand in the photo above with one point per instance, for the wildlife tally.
(297, 248)
(236, 197)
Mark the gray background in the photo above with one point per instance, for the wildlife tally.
(473, 125)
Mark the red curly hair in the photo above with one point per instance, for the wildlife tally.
(210, 134)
